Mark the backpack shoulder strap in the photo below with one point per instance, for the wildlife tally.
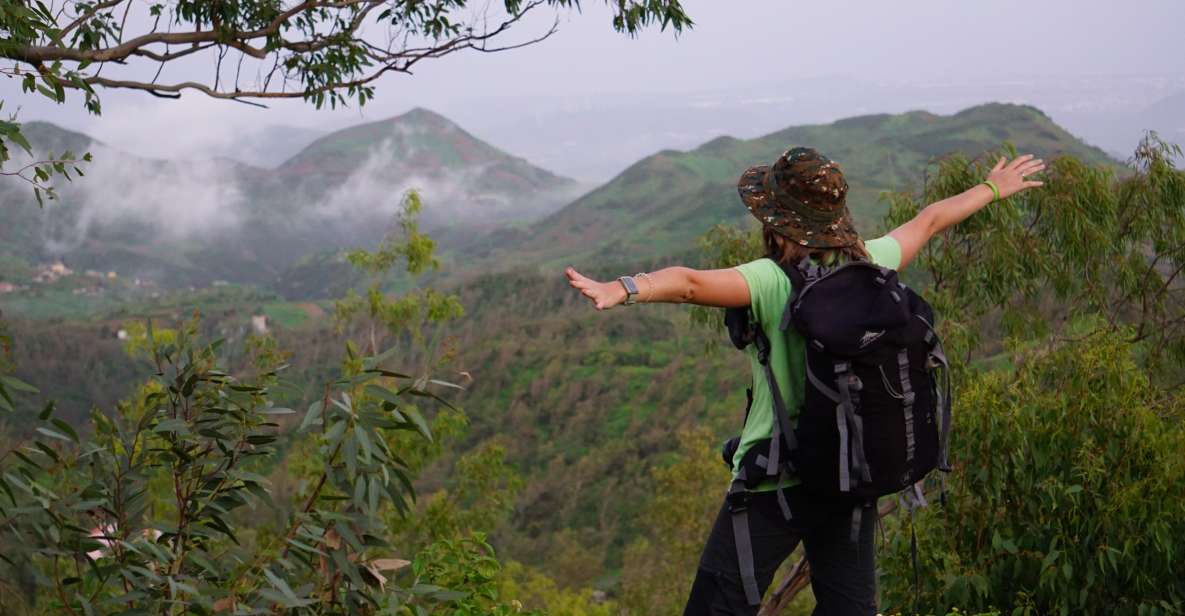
(798, 275)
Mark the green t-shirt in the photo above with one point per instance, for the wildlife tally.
(769, 288)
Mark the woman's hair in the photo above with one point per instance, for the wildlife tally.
(788, 252)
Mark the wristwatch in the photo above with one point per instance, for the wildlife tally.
(631, 289)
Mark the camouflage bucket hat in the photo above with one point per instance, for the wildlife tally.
(802, 196)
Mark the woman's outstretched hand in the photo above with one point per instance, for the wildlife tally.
(1009, 177)
(603, 295)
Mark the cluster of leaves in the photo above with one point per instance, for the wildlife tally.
(24, 24)
(380, 314)
(151, 511)
(37, 173)
(1068, 498)
(1088, 244)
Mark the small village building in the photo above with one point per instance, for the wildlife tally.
(47, 274)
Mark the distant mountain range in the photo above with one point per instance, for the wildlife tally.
(194, 222)
(595, 138)
(661, 204)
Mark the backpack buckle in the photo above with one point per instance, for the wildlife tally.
(738, 501)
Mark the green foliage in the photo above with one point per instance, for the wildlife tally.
(659, 568)
(1068, 490)
(397, 315)
(167, 506)
(152, 510)
(466, 562)
(24, 24)
(37, 173)
(408, 244)
(539, 591)
(1067, 495)
(480, 498)
(1087, 245)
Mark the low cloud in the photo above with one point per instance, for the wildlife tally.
(373, 190)
(174, 200)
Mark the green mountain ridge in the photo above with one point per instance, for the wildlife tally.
(661, 204)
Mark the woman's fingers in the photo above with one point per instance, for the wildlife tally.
(999, 164)
(589, 288)
(1019, 160)
(1033, 184)
(576, 279)
(1030, 170)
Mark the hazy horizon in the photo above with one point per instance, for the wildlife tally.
(588, 102)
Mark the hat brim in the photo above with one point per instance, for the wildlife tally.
(751, 188)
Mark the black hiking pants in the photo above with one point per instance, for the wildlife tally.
(843, 572)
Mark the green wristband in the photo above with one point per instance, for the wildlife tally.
(995, 189)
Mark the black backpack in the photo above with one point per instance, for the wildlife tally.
(875, 418)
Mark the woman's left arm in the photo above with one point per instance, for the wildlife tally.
(723, 288)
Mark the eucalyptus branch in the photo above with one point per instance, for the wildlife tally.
(316, 493)
(40, 164)
(291, 37)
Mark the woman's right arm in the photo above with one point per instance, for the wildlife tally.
(723, 288)
(1009, 178)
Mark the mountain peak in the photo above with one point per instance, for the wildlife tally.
(1003, 112)
(46, 137)
(459, 173)
(420, 115)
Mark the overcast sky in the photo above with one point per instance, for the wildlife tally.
(735, 43)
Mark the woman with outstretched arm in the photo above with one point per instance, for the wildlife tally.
(801, 202)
